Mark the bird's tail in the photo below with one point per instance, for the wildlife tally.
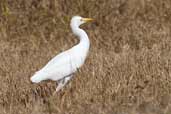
(37, 77)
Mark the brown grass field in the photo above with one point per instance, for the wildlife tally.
(128, 69)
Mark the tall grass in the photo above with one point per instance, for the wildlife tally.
(128, 69)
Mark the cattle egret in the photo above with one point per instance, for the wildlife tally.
(62, 66)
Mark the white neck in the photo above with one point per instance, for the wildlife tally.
(82, 35)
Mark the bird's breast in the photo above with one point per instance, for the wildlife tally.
(78, 59)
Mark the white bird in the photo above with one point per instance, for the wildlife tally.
(62, 66)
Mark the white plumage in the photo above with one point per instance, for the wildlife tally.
(62, 66)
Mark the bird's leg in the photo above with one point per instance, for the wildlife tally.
(62, 83)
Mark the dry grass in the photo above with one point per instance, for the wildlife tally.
(128, 70)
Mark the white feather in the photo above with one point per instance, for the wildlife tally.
(66, 63)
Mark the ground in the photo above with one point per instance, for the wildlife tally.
(128, 69)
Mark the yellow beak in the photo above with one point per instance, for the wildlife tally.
(87, 19)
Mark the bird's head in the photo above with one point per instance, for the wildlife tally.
(76, 21)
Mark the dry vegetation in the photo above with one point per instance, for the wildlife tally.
(128, 70)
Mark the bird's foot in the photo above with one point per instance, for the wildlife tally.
(62, 83)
